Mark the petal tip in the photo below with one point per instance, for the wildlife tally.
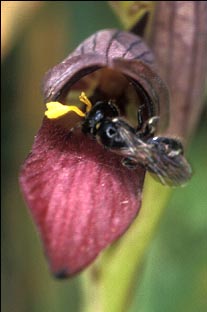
(62, 274)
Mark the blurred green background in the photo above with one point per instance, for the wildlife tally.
(35, 36)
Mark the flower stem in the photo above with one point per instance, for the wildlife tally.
(109, 283)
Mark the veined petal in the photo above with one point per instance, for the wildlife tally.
(80, 196)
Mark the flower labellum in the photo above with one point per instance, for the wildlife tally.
(80, 195)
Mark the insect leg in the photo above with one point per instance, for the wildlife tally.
(147, 128)
(140, 118)
(129, 163)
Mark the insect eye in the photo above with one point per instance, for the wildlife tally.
(111, 132)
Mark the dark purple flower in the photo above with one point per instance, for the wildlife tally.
(81, 197)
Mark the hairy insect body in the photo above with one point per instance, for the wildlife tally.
(161, 156)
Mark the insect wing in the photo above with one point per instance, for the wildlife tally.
(172, 171)
(169, 169)
(133, 145)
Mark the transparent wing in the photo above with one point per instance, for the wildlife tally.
(169, 170)
(133, 145)
(172, 171)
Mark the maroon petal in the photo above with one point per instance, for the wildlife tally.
(80, 196)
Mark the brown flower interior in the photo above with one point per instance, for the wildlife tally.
(106, 84)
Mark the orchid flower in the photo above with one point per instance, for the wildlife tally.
(79, 194)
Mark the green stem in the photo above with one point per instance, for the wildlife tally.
(108, 284)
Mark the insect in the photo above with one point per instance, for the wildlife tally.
(162, 156)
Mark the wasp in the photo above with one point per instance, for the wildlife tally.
(163, 157)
